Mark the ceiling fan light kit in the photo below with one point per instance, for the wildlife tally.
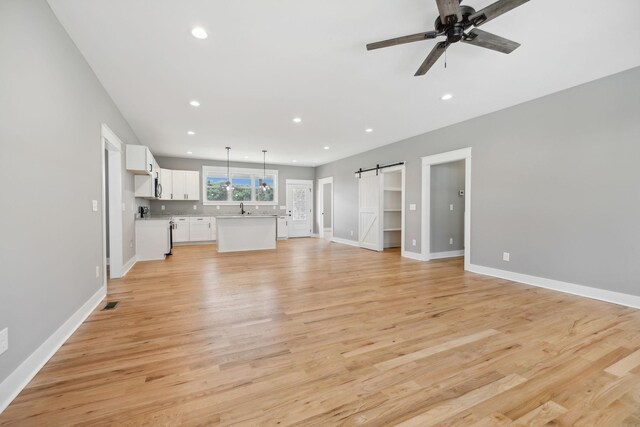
(453, 23)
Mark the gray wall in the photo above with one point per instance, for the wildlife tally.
(447, 180)
(555, 182)
(186, 207)
(51, 110)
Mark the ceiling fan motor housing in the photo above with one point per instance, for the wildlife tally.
(455, 31)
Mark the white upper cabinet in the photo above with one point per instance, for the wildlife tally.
(140, 161)
(186, 185)
(192, 185)
(166, 180)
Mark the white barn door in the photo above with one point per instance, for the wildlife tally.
(369, 210)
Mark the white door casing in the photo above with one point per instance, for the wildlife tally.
(370, 199)
(300, 207)
(321, 214)
(112, 145)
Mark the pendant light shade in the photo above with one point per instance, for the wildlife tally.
(265, 187)
(228, 184)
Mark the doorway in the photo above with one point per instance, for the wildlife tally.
(431, 200)
(325, 208)
(111, 204)
(300, 207)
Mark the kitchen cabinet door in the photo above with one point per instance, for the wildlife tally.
(178, 185)
(199, 232)
(192, 185)
(181, 229)
(283, 232)
(166, 180)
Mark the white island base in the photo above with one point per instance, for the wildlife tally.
(237, 233)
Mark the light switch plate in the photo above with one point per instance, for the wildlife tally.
(195, 207)
(4, 340)
(451, 207)
(412, 207)
(506, 256)
(94, 205)
(413, 242)
(451, 241)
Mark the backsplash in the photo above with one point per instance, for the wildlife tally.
(186, 208)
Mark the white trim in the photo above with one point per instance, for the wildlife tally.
(299, 181)
(345, 242)
(412, 255)
(556, 285)
(254, 172)
(320, 207)
(23, 374)
(448, 254)
(129, 265)
(110, 142)
(436, 159)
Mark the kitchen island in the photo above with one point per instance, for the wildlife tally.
(238, 233)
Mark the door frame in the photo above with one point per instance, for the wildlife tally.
(113, 146)
(437, 159)
(320, 206)
(286, 198)
(402, 169)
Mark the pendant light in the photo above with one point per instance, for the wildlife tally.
(265, 187)
(227, 184)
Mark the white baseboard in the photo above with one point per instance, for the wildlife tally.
(129, 265)
(345, 241)
(556, 285)
(412, 255)
(18, 379)
(449, 254)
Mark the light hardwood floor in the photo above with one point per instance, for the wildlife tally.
(324, 334)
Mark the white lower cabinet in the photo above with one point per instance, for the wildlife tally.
(200, 229)
(181, 229)
(194, 229)
(283, 231)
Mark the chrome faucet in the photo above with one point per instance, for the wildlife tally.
(242, 211)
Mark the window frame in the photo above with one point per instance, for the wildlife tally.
(255, 174)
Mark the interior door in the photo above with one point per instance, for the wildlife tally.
(299, 209)
(369, 209)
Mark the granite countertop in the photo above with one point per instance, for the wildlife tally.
(166, 217)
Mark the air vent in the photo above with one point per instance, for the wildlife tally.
(110, 305)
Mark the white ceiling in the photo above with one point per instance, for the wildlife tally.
(266, 62)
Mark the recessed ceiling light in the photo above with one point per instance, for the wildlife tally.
(191, 132)
(189, 152)
(446, 97)
(199, 33)
(246, 157)
(297, 120)
(326, 147)
(194, 103)
(294, 161)
(369, 130)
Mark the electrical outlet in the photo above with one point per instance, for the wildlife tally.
(451, 240)
(195, 207)
(506, 256)
(94, 205)
(161, 207)
(274, 207)
(257, 207)
(413, 242)
(4, 340)
(451, 207)
(97, 271)
(218, 207)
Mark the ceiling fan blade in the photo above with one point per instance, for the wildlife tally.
(434, 55)
(494, 10)
(490, 41)
(449, 11)
(402, 40)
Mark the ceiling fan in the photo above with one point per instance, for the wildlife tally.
(453, 23)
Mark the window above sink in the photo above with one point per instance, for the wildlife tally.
(247, 186)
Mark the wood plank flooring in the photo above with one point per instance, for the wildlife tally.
(322, 334)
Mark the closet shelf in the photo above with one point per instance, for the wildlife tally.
(393, 189)
(393, 229)
(393, 210)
